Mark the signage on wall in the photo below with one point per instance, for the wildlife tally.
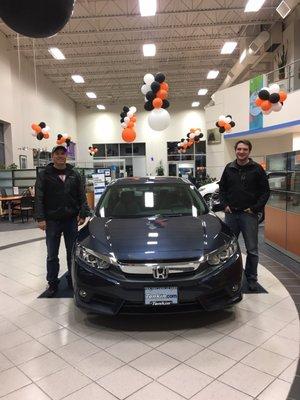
(255, 114)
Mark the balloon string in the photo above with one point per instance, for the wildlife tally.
(19, 55)
(34, 66)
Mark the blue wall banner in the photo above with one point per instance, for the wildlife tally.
(255, 114)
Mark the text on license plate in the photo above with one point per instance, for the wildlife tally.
(161, 295)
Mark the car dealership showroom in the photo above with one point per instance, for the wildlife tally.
(161, 139)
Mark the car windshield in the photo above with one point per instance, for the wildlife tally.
(135, 201)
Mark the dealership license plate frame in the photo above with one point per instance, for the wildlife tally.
(166, 295)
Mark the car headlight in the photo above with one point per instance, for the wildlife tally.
(220, 256)
(93, 259)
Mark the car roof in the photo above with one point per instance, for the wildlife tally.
(148, 180)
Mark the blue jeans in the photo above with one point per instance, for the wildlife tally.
(247, 224)
(54, 230)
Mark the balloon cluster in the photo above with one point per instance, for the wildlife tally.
(270, 99)
(93, 150)
(63, 139)
(192, 137)
(41, 131)
(128, 119)
(156, 90)
(225, 123)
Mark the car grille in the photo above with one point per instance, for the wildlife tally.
(148, 267)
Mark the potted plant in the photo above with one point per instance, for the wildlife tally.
(160, 169)
(281, 60)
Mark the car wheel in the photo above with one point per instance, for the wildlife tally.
(208, 200)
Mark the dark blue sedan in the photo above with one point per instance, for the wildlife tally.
(153, 246)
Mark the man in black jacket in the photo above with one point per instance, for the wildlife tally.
(244, 191)
(61, 206)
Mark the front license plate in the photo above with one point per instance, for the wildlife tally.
(161, 296)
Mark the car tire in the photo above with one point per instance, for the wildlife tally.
(208, 199)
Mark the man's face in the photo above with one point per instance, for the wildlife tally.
(242, 152)
(59, 157)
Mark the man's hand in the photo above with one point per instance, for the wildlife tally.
(42, 225)
(228, 210)
(80, 220)
(248, 210)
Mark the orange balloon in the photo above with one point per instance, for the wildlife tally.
(266, 105)
(133, 119)
(157, 102)
(36, 128)
(192, 130)
(227, 127)
(258, 102)
(63, 139)
(128, 135)
(164, 86)
(221, 123)
(130, 124)
(162, 94)
(46, 135)
(282, 95)
(59, 141)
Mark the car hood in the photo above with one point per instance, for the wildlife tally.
(157, 238)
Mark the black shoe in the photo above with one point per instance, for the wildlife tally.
(51, 290)
(253, 286)
(69, 281)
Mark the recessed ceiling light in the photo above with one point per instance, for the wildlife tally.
(91, 95)
(283, 9)
(243, 56)
(147, 7)
(56, 53)
(77, 78)
(212, 74)
(254, 5)
(195, 103)
(228, 47)
(149, 50)
(100, 107)
(202, 92)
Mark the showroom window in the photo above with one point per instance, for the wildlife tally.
(2, 148)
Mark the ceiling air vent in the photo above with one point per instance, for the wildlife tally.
(283, 9)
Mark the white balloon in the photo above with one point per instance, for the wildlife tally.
(227, 120)
(274, 88)
(33, 134)
(145, 89)
(65, 135)
(222, 118)
(192, 135)
(130, 114)
(126, 119)
(197, 132)
(267, 112)
(159, 119)
(132, 109)
(276, 107)
(148, 79)
(123, 125)
(178, 144)
(265, 88)
(46, 129)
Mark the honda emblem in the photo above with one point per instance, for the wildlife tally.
(160, 272)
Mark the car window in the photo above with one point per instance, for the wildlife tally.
(135, 201)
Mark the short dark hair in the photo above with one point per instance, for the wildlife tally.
(245, 142)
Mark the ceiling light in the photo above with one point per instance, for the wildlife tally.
(91, 95)
(77, 78)
(228, 47)
(149, 50)
(56, 53)
(243, 56)
(212, 74)
(283, 9)
(100, 107)
(254, 5)
(147, 7)
(195, 103)
(202, 92)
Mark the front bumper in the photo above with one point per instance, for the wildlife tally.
(112, 292)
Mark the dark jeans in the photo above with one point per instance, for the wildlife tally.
(54, 230)
(247, 224)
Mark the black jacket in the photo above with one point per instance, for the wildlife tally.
(244, 187)
(55, 199)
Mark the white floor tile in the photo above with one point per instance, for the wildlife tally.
(152, 338)
(59, 338)
(202, 336)
(284, 347)
(233, 348)
(219, 391)
(128, 350)
(4, 363)
(278, 390)
(180, 348)
(12, 379)
(91, 392)
(106, 338)
(30, 392)
(25, 352)
(76, 351)
(251, 335)
(154, 364)
(155, 391)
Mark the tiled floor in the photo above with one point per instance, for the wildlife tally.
(51, 350)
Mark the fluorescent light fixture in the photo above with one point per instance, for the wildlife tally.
(195, 103)
(77, 78)
(147, 7)
(153, 234)
(212, 74)
(243, 56)
(100, 107)
(202, 92)
(56, 53)
(149, 200)
(151, 243)
(283, 9)
(254, 5)
(228, 47)
(91, 95)
(149, 50)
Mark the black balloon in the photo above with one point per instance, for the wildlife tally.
(188, 135)
(200, 135)
(40, 136)
(264, 94)
(68, 141)
(155, 86)
(159, 77)
(222, 129)
(232, 124)
(126, 109)
(229, 116)
(150, 95)
(196, 138)
(123, 114)
(42, 125)
(122, 120)
(59, 136)
(36, 18)
(148, 106)
(274, 98)
(165, 104)
(182, 140)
